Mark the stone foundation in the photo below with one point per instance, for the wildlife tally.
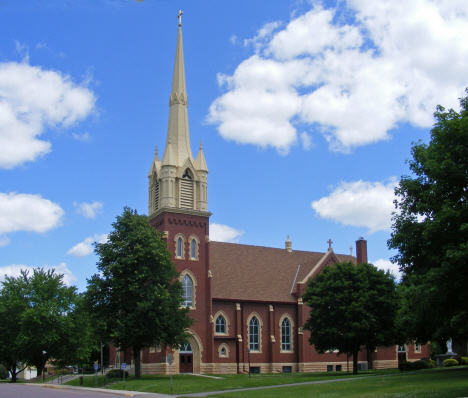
(158, 369)
(385, 364)
(219, 368)
(234, 368)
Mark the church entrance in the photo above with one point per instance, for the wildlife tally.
(401, 353)
(186, 358)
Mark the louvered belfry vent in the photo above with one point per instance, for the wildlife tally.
(156, 196)
(186, 191)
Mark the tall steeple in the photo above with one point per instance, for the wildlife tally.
(178, 181)
(178, 128)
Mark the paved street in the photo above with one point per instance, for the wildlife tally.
(22, 390)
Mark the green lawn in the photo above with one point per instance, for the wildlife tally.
(185, 384)
(440, 383)
(451, 382)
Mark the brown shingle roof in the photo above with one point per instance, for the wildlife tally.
(246, 272)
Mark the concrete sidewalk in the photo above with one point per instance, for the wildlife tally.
(124, 393)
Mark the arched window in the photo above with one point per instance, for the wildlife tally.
(187, 286)
(180, 247)
(193, 249)
(254, 334)
(286, 335)
(185, 348)
(223, 350)
(220, 325)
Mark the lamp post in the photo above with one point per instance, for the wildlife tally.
(248, 354)
(102, 362)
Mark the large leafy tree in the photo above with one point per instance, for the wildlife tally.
(430, 231)
(351, 307)
(137, 295)
(42, 320)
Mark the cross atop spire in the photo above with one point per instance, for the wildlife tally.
(329, 244)
(180, 17)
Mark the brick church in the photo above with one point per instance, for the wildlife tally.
(238, 319)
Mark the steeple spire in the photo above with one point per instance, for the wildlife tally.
(178, 129)
(178, 181)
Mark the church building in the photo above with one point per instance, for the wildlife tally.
(239, 321)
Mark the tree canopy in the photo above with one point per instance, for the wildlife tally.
(41, 319)
(430, 231)
(137, 296)
(351, 307)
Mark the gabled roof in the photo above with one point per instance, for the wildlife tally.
(247, 272)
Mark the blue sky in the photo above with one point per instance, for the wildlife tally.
(306, 110)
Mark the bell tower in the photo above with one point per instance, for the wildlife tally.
(178, 207)
(178, 181)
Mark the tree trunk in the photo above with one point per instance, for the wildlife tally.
(355, 355)
(137, 359)
(14, 373)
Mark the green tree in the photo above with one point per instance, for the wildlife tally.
(137, 295)
(13, 302)
(42, 320)
(430, 231)
(351, 307)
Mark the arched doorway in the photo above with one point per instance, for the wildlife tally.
(186, 358)
(193, 354)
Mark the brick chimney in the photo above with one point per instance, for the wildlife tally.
(361, 250)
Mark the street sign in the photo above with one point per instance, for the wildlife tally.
(124, 366)
(169, 361)
(96, 366)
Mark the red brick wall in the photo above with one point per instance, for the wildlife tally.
(188, 225)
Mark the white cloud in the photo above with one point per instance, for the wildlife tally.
(82, 137)
(223, 233)
(31, 100)
(263, 34)
(351, 73)
(86, 247)
(388, 265)
(306, 141)
(4, 240)
(26, 212)
(13, 271)
(88, 210)
(360, 204)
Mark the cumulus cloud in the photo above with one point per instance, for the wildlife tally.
(85, 248)
(350, 73)
(13, 271)
(388, 265)
(306, 141)
(26, 212)
(82, 137)
(88, 210)
(31, 100)
(360, 204)
(223, 233)
(4, 240)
